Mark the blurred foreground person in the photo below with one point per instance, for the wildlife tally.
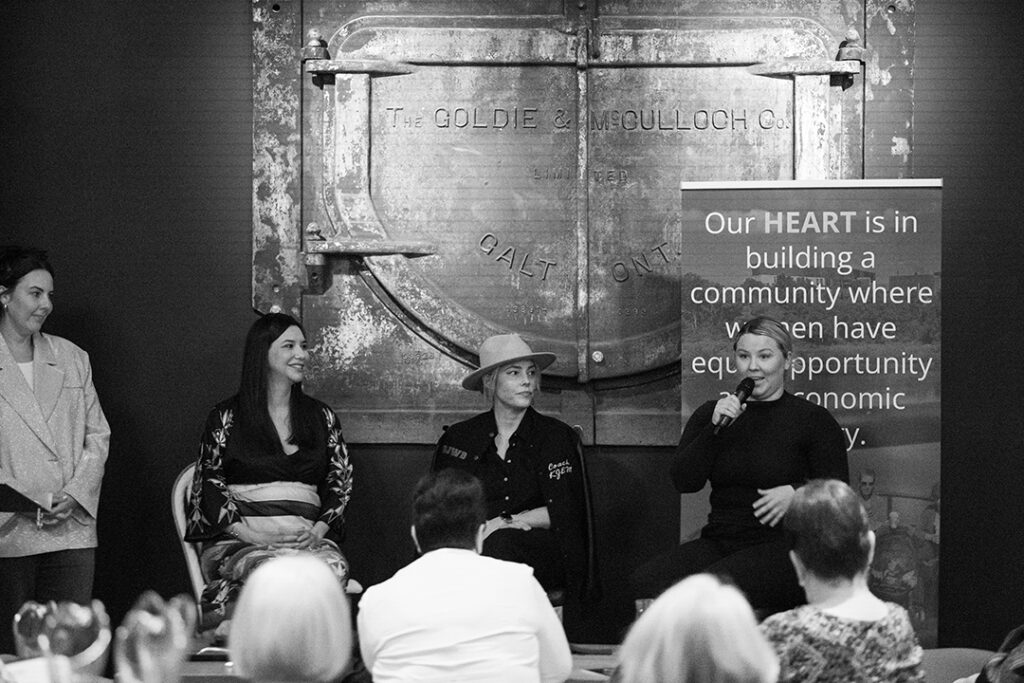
(292, 623)
(155, 639)
(60, 642)
(845, 633)
(698, 631)
(453, 614)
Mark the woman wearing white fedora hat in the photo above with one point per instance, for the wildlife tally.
(531, 468)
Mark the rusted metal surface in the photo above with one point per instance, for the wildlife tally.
(530, 163)
(583, 352)
(371, 248)
(277, 270)
(818, 114)
(651, 127)
(816, 67)
(525, 39)
(889, 88)
(702, 40)
(477, 176)
(368, 66)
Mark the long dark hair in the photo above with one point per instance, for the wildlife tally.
(253, 415)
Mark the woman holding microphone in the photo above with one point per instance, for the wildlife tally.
(755, 454)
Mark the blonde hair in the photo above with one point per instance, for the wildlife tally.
(488, 386)
(489, 383)
(291, 623)
(766, 327)
(698, 631)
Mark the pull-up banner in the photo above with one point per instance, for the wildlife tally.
(853, 268)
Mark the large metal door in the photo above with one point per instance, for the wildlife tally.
(424, 181)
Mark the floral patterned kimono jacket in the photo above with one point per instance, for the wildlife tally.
(269, 491)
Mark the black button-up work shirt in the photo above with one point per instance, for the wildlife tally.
(511, 484)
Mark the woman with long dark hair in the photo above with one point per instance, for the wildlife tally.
(273, 474)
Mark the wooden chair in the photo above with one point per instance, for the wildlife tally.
(180, 494)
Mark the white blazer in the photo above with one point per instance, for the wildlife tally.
(53, 438)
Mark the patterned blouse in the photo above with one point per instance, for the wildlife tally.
(816, 646)
(223, 458)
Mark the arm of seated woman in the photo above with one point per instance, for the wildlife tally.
(525, 520)
(246, 534)
(537, 518)
(312, 535)
(773, 504)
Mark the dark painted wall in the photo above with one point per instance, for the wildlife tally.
(968, 128)
(126, 151)
(125, 145)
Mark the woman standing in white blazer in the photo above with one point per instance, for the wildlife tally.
(53, 447)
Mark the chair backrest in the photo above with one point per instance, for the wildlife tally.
(179, 509)
(593, 587)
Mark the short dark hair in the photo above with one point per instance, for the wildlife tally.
(828, 529)
(252, 390)
(448, 509)
(17, 262)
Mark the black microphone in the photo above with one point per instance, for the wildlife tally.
(743, 392)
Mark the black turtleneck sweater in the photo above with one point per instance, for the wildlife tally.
(772, 443)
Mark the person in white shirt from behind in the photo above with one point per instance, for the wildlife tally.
(453, 614)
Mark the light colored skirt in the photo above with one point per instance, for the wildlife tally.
(282, 506)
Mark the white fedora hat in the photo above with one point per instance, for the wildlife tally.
(502, 349)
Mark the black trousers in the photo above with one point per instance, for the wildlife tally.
(62, 576)
(762, 571)
(537, 547)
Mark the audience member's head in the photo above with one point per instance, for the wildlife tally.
(448, 511)
(698, 631)
(291, 623)
(828, 530)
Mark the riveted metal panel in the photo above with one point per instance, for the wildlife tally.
(482, 161)
(277, 273)
(649, 128)
(471, 168)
